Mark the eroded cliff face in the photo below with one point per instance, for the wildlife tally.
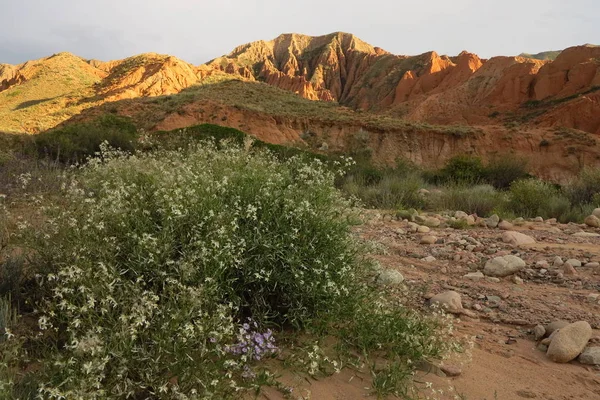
(429, 87)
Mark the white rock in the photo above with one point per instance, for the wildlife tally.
(503, 266)
(517, 238)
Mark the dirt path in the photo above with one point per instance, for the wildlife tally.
(503, 361)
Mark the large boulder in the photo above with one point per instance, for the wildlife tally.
(450, 301)
(517, 238)
(569, 342)
(596, 213)
(592, 221)
(503, 266)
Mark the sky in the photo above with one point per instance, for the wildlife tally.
(198, 31)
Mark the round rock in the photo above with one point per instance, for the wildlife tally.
(390, 277)
(451, 301)
(592, 221)
(517, 238)
(503, 266)
(569, 342)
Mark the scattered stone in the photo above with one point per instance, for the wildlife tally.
(450, 301)
(423, 229)
(596, 213)
(574, 262)
(554, 326)
(428, 239)
(592, 265)
(413, 227)
(593, 297)
(538, 219)
(423, 192)
(460, 215)
(516, 280)
(586, 234)
(475, 276)
(569, 342)
(542, 264)
(551, 221)
(390, 277)
(451, 370)
(494, 299)
(400, 231)
(589, 356)
(526, 394)
(542, 347)
(592, 221)
(503, 266)
(517, 238)
(558, 261)
(492, 221)
(505, 226)
(546, 341)
(429, 368)
(492, 279)
(539, 332)
(428, 221)
(519, 221)
(429, 259)
(568, 269)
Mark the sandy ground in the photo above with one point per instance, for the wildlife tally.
(502, 361)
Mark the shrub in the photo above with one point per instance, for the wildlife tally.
(390, 192)
(463, 169)
(480, 200)
(77, 142)
(532, 197)
(159, 259)
(585, 187)
(501, 172)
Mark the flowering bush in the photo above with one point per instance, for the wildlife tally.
(159, 257)
(159, 275)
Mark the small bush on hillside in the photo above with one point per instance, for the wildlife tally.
(501, 172)
(585, 188)
(158, 260)
(463, 169)
(532, 197)
(389, 192)
(76, 142)
(480, 200)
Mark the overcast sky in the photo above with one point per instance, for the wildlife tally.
(198, 30)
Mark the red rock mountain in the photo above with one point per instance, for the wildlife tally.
(425, 108)
(429, 87)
